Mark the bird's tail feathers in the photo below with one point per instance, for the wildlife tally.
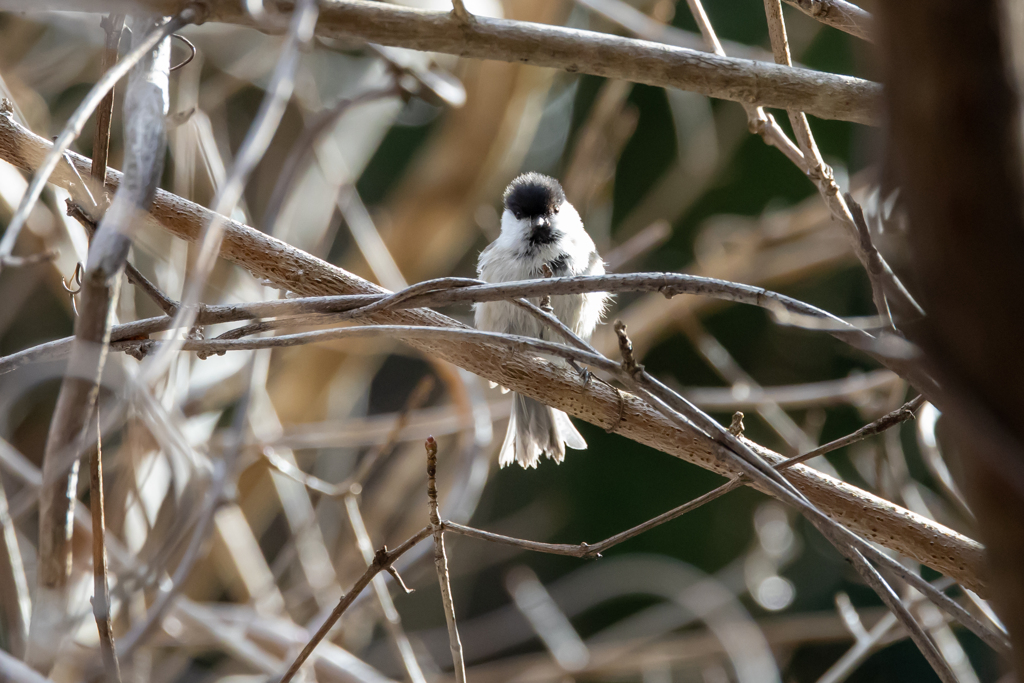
(534, 430)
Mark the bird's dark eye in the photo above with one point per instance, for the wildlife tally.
(556, 209)
(518, 215)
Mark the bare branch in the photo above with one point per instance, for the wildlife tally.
(993, 637)
(441, 564)
(445, 291)
(594, 550)
(381, 561)
(839, 14)
(101, 586)
(453, 335)
(827, 96)
(113, 24)
(898, 416)
(16, 603)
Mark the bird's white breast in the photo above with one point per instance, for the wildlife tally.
(512, 257)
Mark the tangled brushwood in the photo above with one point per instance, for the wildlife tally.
(211, 215)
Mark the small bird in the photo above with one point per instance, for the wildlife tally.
(539, 228)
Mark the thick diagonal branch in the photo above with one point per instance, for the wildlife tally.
(299, 272)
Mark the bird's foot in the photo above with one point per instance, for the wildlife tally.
(584, 373)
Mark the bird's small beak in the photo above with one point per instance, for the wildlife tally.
(540, 222)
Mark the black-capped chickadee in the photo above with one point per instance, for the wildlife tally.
(539, 227)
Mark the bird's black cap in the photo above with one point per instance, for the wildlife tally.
(533, 194)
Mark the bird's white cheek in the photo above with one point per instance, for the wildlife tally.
(512, 228)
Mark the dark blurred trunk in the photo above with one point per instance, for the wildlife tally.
(955, 150)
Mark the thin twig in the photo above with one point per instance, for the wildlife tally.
(884, 283)
(383, 559)
(708, 33)
(902, 304)
(380, 588)
(101, 586)
(445, 291)
(113, 24)
(805, 156)
(592, 550)
(759, 122)
(441, 564)
(898, 416)
(460, 12)
(166, 304)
